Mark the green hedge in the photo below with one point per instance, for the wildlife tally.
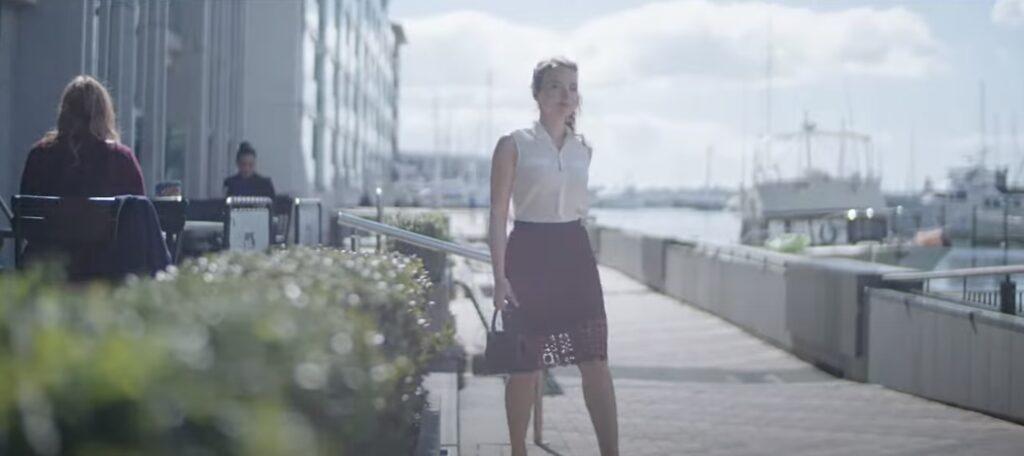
(298, 352)
(433, 224)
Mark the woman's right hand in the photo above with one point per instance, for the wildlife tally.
(503, 294)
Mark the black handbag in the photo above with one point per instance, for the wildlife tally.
(506, 349)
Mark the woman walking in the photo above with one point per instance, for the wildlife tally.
(546, 277)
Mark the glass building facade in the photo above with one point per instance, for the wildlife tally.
(349, 95)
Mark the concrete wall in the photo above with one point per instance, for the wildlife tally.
(638, 256)
(621, 250)
(932, 348)
(827, 311)
(814, 308)
(710, 276)
(837, 315)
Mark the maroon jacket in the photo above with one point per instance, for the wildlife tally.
(101, 169)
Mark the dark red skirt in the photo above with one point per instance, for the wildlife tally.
(553, 274)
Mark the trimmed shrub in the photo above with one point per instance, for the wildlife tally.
(303, 351)
(433, 224)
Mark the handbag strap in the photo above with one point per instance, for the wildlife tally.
(494, 319)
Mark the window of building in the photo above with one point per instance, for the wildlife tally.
(311, 12)
(329, 90)
(307, 140)
(309, 70)
(330, 26)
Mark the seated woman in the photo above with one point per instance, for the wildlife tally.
(82, 158)
(247, 182)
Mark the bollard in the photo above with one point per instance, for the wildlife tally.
(1008, 296)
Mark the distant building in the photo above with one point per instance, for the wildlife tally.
(441, 180)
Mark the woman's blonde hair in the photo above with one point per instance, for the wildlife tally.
(86, 110)
(538, 77)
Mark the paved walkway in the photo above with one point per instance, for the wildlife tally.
(689, 383)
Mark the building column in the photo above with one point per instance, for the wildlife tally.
(10, 165)
(236, 82)
(116, 66)
(160, 111)
(90, 36)
(216, 96)
(225, 95)
(195, 64)
(152, 89)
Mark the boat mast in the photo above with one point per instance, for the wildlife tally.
(981, 124)
(763, 151)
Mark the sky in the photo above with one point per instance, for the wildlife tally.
(676, 93)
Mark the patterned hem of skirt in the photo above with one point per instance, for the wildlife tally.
(586, 342)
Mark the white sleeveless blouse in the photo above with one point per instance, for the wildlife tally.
(550, 186)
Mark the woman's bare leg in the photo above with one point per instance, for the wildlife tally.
(599, 394)
(520, 391)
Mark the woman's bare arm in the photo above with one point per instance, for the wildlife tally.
(503, 167)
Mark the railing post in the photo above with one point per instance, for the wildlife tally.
(974, 226)
(1006, 229)
(380, 219)
(538, 409)
(1008, 296)
(964, 295)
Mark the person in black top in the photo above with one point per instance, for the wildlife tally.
(247, 182)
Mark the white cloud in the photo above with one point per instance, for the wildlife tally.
(459, 48)
(652, 151)
(731, 40)
(1008, 12)
(649, 77)
(682, 38)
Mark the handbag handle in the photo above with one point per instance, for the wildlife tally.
(494, 319)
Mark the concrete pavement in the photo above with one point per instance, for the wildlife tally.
(689, 383)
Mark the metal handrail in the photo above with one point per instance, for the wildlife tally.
(472, 297)
(417, 239)
(437, 245)
(1006, 296)
(7, 211)
(953, 273)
